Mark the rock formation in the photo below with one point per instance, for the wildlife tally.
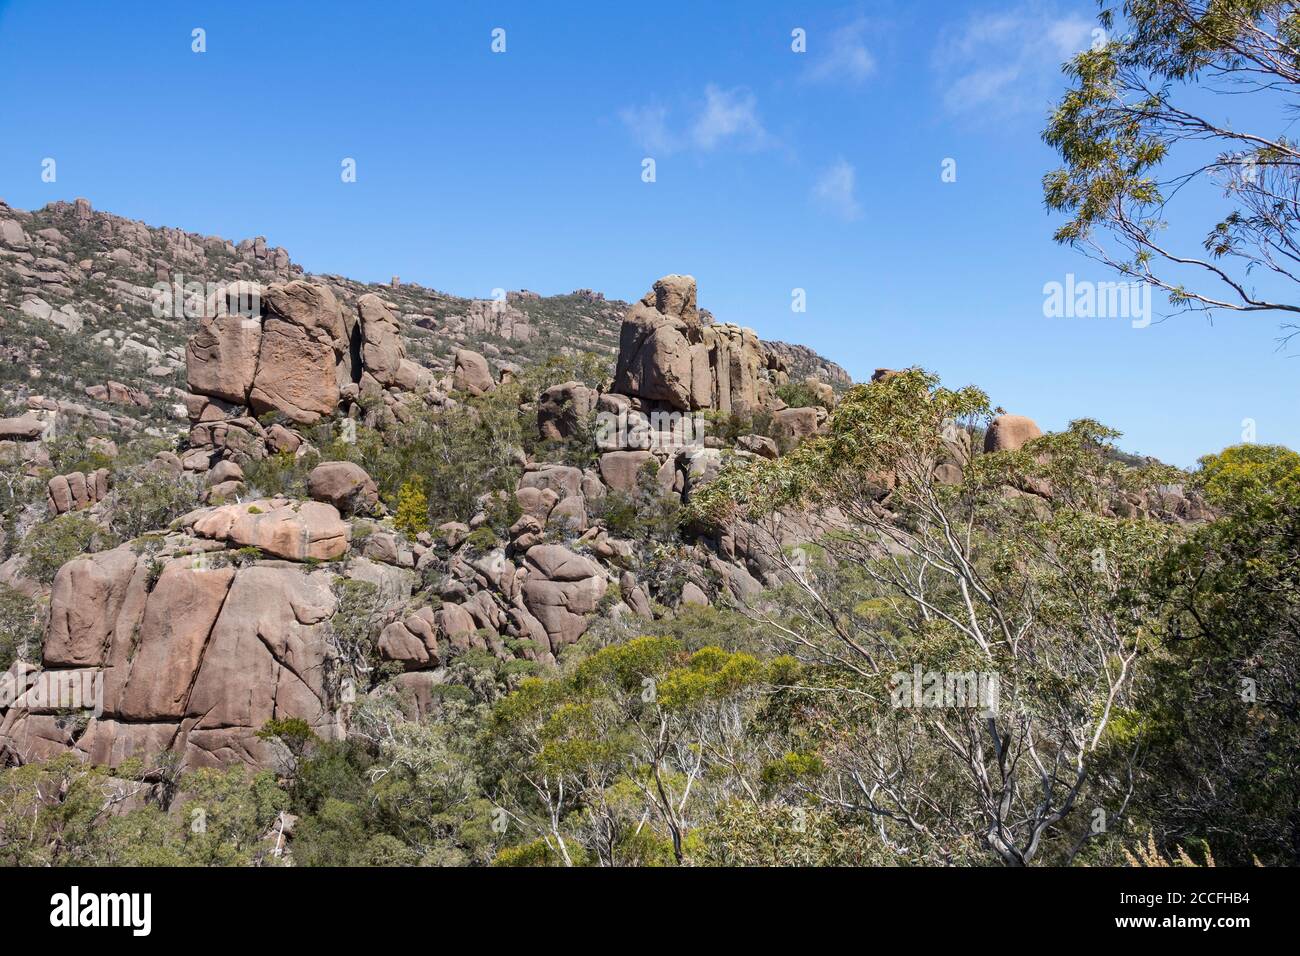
(193, 658)
(1009, 433)
(74, 491)
(667, 355)
(194, 636)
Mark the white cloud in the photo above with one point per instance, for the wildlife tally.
(649, 125)
(1071, 35)
(727, 115)
(1008, 62)
(836, 190)
(723, 118)
(980, 87)
(846, 57)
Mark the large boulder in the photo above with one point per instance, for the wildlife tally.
(412, 641)
(297, 531)
(86, 598)
(295, 373)
(563, 409)
(311, 307)
(294, 353)
(266, 657)
(221, 357)
(759, 445)
(472, 373)
(345, 485)
(22, 428)
(1009, 433)
(668, 354)
(178, 619)
(674, 295)
(735, 370)
(382, 351)
(796, 424)
(457, 626)
(561, 590)
(12, 234)
(564, 480)
(621, 470)
(74, 491)
(654, 356)
(194, 663)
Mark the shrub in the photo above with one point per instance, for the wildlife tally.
(143, 501)
(412, 515)
(52, 544)
(21, 623)
(800, 395)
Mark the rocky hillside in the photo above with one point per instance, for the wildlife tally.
(95, 311)
(280, 522)
(262, 395)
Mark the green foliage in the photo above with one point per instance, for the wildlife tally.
(22, 620)
(53, 543)
(19, 494)
(294, 732)
(648, 514)
(728, 426)
(353, 634)
(588, 368)
(481, 540)
(412, 514)
(281, 473)
(584, 762)
(143, 500)
(454, 456)
(790, 768)
(801, 395)
(1156, 110)
(407, 797)
(532, 854)
(1041, 570)
(65, 813)
(882, 429)
(1228, 669)
(72, 452)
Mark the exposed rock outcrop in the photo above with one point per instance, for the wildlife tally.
(563, 409)
(76, 490)
(472, 373)
(666, 354)
(1010, 432)
(298, 531)
(194, 663)
(345, 485)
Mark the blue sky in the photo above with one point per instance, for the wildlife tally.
(775, 170)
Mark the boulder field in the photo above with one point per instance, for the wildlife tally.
(193, 637)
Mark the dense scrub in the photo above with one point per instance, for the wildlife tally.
(1144, 681)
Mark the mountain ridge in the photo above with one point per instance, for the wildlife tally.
(82, 270)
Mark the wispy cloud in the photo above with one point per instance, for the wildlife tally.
(728, 115)
(649, 126)
(836, 191)
(843, 56)
(722, 118)
(1007, 62)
